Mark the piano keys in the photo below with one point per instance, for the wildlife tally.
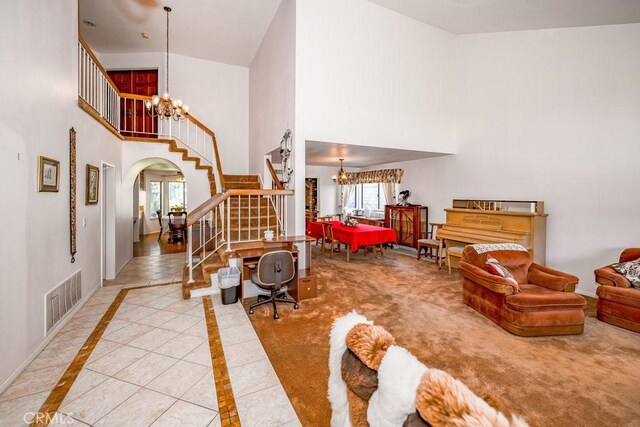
(496, 221)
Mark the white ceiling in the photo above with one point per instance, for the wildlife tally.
(358, 156)
(228, 31)
(484, 16)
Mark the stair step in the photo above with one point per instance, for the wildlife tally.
(241, 185)
(245, 212)
(244, 222)
(242, 178)
(243, 201)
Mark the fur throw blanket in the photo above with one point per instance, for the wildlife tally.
(374, 382)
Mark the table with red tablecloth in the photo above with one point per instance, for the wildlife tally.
(355, 237)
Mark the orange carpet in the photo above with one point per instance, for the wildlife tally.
(589, 379)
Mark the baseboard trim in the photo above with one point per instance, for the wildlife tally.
(5, 385)
(585, 293)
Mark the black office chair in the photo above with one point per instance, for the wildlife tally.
(275, 269)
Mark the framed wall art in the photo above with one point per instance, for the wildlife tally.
(48, 175)
(92, 185)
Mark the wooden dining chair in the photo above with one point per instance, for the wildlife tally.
(377, 248)
(178, 229)
(433, 247)
(327, 237)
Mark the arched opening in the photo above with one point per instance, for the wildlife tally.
(157, 191)
(160, 203)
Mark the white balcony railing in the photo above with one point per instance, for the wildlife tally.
(127, 114)
(96, 89)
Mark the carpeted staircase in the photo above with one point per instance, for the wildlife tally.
(250, 216)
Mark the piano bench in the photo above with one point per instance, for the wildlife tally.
(453, 251)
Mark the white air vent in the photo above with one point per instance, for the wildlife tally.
(61, 299)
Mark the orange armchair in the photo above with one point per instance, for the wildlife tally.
(618, 301)
(546, 304)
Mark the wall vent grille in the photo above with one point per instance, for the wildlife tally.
(61, 299)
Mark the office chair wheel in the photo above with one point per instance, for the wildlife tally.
(296, 306)
(251, 311)
(276, 316)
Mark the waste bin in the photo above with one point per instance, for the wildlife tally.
(229, 282)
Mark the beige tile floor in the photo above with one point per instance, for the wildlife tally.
(143, 270)
(152, 366)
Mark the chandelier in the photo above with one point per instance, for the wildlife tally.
(165, 107)
(341, 176)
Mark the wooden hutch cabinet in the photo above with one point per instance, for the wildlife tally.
(310, 200)
(409, 222)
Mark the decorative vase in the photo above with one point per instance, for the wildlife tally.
(268, 235)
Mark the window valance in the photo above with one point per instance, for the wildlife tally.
(385, 176)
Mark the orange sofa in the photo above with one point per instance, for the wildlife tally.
(546, 304)
(618, 301)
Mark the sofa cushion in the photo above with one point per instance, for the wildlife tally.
(494, 267)
(630, 270)
(517, 262)
(625, 296)
(536, 298)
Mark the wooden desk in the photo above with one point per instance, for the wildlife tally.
(252, 256)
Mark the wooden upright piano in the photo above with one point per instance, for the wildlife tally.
(496, 221)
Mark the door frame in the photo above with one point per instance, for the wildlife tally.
(108, 222)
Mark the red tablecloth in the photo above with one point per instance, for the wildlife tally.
(362, 235)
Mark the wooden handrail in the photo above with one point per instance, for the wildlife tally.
(197, 123)
(274, 176)
(218, 198)
(148, 98)
(95, 59)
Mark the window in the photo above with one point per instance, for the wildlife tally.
(371, 195)
(155, 198)
(177, 195)
(367, 196)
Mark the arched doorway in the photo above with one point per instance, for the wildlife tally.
(153, 187)
(160, 199)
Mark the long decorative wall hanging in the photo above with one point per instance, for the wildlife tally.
(72, 191)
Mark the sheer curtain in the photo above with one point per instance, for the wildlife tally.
(389, 190)
(347, 192)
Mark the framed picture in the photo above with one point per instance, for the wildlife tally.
(93, 184)
(48, 175)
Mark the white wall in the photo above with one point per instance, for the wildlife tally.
(39, 61)
(366, 75)
(218, 95)
(550, 115)
(272, 86)
(370, 76)
(272, 104)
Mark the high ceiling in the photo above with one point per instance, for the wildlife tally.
(357, 156)
(228, 31)
(485, 16)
